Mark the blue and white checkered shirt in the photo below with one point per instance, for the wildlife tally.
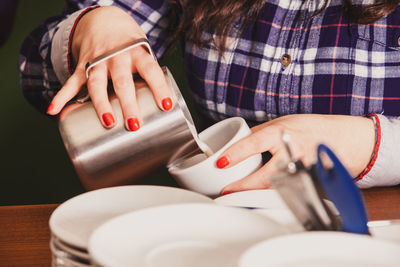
(283, 62)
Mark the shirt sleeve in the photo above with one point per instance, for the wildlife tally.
(384, 168)
(44, 57)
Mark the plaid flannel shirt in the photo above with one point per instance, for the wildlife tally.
(282, 62)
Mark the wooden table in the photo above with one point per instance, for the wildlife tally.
(25, 235)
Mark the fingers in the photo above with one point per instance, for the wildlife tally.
(67, 92)
(149, 70)
(120, 70)
(257, 142)
(258, 179)
(260, 126)
(97, 88)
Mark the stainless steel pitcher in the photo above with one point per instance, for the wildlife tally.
(107, 157)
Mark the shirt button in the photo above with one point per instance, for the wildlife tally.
(285, 60)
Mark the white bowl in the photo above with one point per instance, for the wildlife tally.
(180, 235)
(200, 173)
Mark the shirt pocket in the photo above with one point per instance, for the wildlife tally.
(376, 72)
(380, 36)
(376, 52)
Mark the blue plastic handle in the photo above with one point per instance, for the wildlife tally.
(340, 188)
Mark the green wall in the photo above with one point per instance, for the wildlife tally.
(35, 167)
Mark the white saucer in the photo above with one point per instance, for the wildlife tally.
(328, 249)
(181, 235)
(266, 202)
(74, 220)
(269, 203)
(385, 229)
(263, 198)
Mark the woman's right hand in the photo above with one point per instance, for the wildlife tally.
(98, 32)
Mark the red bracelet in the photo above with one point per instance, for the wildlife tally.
(71, 35)
(376, 150)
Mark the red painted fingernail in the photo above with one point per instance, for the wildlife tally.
(222, 162)
(133, 124)
(108, 119)
(166, 103)
(50, 108)
(227, 192)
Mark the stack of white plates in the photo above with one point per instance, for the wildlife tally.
(73, 222)
(154, 226)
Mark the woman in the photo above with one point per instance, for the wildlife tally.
(320, 66)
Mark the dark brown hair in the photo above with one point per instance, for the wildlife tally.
(371, 13)
(193, 17)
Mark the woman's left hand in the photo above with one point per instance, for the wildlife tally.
(351, 138)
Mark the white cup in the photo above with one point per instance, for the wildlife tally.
(199, 173)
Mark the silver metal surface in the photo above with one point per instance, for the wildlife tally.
(108, 157)
(301, 193)
(118, 50)
(292, 187)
